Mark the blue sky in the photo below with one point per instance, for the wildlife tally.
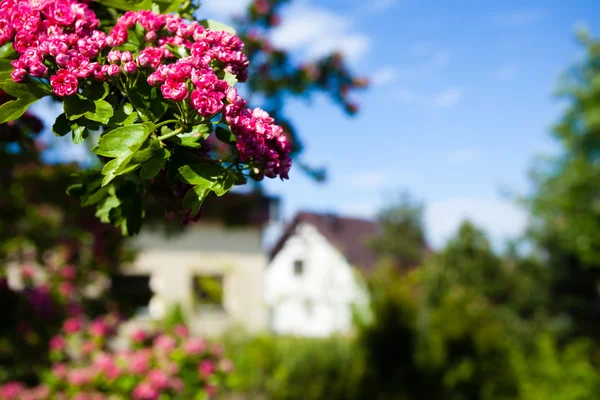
(460, 103)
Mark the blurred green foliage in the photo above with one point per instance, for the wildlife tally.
(470, 323)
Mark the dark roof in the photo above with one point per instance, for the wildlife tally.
(349, 235)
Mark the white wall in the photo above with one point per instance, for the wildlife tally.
(207, 249)
(317, 303)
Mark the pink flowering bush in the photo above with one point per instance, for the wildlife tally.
(88, 363)
(159, 88)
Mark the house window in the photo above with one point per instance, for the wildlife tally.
(298, 267)
(208, 292)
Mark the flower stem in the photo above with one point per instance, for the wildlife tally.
(171, 134)
(165, 123)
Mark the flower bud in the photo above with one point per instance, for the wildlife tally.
(19, 75)
(126, 56)
(114, 57)
(154, 79)
(38, 70)
(130, 67)
(113, 70)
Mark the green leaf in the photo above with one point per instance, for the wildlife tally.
(224, 184)
(128, 5)
(105, 207)
(7, 51)
(14, 109)
(117, 141)
(155, 164)
(102, 112)
(200, 174)
(95, 91)
(123, 115)
(61, 126)
(79, 133)
(130, 212)
(216, 26)
(140, 32)
(230, 78)
(225, 135)
(194, 198)
(22, 90)
(123, 144)
(77, 106)
(194, 138)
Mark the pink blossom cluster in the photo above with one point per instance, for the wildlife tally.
(154, 362)
(59, 41)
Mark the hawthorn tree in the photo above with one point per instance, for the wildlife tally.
(158, 90)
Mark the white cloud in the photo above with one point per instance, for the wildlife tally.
(506, 72)
(465, 155)
(225, 8)
(447, 98)
(318, 31)
(383, 76)
(520, 18)
(500, 219)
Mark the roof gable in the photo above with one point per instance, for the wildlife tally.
(349, 236)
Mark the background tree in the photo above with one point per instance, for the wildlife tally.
(402, 236)
(566, 201)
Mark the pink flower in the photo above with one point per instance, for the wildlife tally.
(11, 390)
(57, 343)
(73, 325)
(139, 335)
(80, 376)
(194, 346)
(66, 289)
(206, 368)
(68, 272)
(207, 103)
(99, 328)
(174, 90)
(181, 330)
(211, 390)
(145, 391)
(59, 370)
(165, 343)
(27, 271)
(87, 347)
(176, 384)
(158, 379)
(6, 31)
(139, 362)
(114, 57)
(64, 83)
(226, 365)
(150, 57)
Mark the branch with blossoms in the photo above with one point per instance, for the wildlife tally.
(159, 89)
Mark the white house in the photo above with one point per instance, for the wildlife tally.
(214, 269)
(312, 282)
